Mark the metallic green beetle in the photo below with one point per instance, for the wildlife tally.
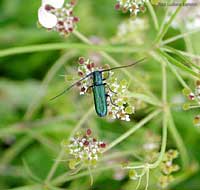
(99, 93)
(98, 87)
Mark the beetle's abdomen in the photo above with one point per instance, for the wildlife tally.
(99, 94)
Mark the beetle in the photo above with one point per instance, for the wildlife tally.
(98, 88)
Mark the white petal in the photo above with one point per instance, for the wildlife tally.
(46, 19)
(54, 3)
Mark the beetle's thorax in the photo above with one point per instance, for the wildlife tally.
(97, 78)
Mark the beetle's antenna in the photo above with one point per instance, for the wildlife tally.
(64, 91)
(120, 67)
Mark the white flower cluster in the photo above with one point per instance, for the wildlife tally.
(85, 148)
(85, 67)
(118, 104)
(194, 98)
(131, 26)
(57, 16)
(188, 16)
(133, 6)
(131, 31)
(195, 95)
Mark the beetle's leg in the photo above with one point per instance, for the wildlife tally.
(90, 86)
(111, 89)
(105, 84)
(111, 101)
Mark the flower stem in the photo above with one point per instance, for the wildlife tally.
(54, 167)
(61, 154)
(37, 100)
(60, 46)
(153, 15)
(165, 119)
(172, 68)
(65, 177)
(179, 142)
(179, 64)
(178, 76)
(132, 130)
(174, 38)
(166, 25)
(181, 56)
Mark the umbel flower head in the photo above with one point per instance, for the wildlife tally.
(131, 31)
(133, 6)
(83, 148)
(119, 105)
(168, 167)
(58, 16)
(194, 98)
(187, 18)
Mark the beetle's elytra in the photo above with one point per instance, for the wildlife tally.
(99, 94)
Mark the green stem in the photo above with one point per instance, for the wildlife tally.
(120, 154)
(179, 64)
(163, 145)
(144, 98)
(23, 127)
(164, 21)
(181, 56)
(172, 68)
(153, 15)
(132, 130)
(174, 38)
(82, 121)
(179, 142)
(37, 100)
(62, 153)
(29, 187)
(164, 84)
(189, 54)
(54, 167)
(14, 150)
(166, 25)
(165, 119)
(147, 179)
(60, 46)
(178, 76)
(188, 42)
(65, 177)
(82, 37)
(44, 140)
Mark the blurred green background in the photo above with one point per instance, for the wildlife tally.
(35, 136)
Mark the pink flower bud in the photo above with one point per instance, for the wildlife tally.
(117, 6)
(191, 96)
(103, 145)
(81, 60)
(89, 132)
